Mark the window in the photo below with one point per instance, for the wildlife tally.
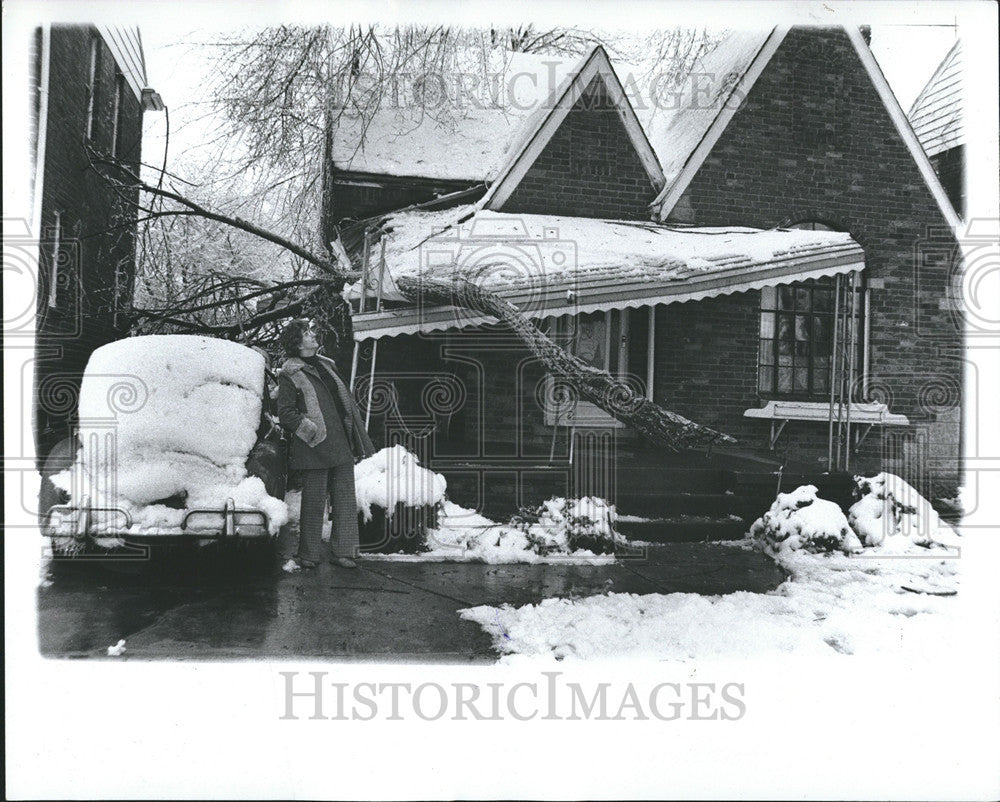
(797, 323)
(797, 327)
(93, 81)
(796, 338)
(116, 116)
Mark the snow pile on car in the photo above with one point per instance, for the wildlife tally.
(394, 476)
(802, 520)
(892, 515)
(167, 424)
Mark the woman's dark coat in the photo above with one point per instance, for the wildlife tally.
(323, 431)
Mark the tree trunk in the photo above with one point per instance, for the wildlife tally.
(598, 387)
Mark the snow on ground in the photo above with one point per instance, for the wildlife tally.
(558, 532)
(464, 535)
(166, 417)
(871, 601)
(831, 603)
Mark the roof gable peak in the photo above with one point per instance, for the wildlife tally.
(543, 124)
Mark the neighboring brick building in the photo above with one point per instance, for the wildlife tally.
(778, 129)
(88, 89)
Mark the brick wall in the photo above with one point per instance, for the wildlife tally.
(813, 141)
(588, 169)
(97, 264)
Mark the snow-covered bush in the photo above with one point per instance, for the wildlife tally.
(892, 515)
(166, 426)
(802, 520)
(393, 476)
(579, 529)
(566, 525)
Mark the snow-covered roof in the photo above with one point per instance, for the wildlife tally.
(476, 143)
(468, 135)
(551, 265)
(675, 128)
(936, 114)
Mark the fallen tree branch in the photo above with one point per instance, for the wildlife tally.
(598, 387)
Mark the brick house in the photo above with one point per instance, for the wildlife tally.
(772, 255)
(88, 88)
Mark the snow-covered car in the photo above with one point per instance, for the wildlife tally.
(176, 441)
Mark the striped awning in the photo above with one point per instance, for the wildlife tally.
(615, 265)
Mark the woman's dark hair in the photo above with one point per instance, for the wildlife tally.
(291, 336)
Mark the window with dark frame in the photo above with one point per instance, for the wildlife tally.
(796, 338)
(797, 332)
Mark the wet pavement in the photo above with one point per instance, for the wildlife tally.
(208, 606)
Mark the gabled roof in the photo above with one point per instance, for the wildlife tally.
(936, 114)
(904, 129)
(464, 137)
(683, 134)
(545, 121)
(126, 46)
(497, 144)
(686, 137)
(719, 114)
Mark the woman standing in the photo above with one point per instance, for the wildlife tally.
(327, 437)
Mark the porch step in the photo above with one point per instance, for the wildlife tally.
(654, 504)
(762, 487)
(684, 528)
(632, 477)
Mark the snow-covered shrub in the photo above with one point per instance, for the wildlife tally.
(802, 520)
(398, 500)
(578, 529)
(393, 476)
(562, 525)
(166, 425)
(892, 515)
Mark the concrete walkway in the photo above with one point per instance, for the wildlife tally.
(383, 611)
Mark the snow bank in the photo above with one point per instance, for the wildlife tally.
(875, 601)
(169, 419)
(802, 520)
(559, 528)
(394, 476)
(832, 606)
(892, 516)
(556, 532)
